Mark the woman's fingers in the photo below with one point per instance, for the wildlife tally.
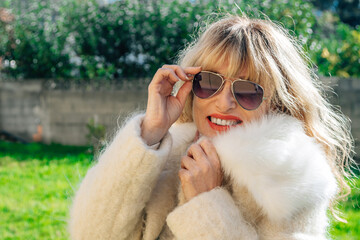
(203, 149)
(209, 149)
(202, 160)
(172, 74)
(163, 109)
(199, 172)
(179, 71)
(166, 73)
(192, 70)
(205, 155)
(183, 92)
(185, 89)
(187, 163)
(196, 152)
(184, 73)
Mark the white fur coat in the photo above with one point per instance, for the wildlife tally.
(278, 186)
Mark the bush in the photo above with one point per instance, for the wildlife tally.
(38, 47)
(100, 36)
(338, 54)
(82, 39)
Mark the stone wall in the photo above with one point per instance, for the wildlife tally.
(20, 106)
(347, 97)
(35, 112)
(40, 111)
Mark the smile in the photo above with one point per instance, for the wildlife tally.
(222, 122)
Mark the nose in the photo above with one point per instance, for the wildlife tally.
(225, 100)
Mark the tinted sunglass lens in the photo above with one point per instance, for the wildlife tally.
(206, 84)
(249, 95)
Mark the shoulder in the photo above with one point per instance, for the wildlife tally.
(284, 169)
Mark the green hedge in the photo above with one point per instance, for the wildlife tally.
(84, 40)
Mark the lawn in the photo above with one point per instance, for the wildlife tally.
(351, 212)
(38, 182)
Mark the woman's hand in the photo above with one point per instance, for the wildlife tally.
(163, 109)
(200, 169)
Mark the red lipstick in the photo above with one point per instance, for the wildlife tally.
(224, 117)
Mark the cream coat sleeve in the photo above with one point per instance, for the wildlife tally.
(111, 199)
(210, 215)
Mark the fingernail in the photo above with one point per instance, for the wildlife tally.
(189, 75)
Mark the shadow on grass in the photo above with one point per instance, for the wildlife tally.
(43, 152)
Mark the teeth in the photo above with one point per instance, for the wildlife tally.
(223, 122)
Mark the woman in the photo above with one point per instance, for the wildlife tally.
(254, 152)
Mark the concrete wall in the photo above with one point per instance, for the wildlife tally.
(347, 97)
(20, 107)
(37, 110)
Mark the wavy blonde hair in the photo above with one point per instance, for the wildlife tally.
(276, 61)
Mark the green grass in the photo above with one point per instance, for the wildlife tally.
(351, 213)
(38, 182)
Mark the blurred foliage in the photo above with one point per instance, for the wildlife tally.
(4, 38)
(348, 10)
(338, 55)
(86, 40)
(99, 36)
(36, 43)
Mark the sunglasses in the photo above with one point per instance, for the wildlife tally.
(248, 95)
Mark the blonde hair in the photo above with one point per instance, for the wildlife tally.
(276, 61)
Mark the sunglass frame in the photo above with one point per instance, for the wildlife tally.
(232, 88)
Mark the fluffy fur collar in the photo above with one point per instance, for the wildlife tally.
(285, 170)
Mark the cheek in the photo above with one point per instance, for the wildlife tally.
(248, 116)
(261, 111)
(196, 109)
(200, 110)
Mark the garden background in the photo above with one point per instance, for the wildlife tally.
(81, 44)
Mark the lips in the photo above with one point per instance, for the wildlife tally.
(221, 123)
